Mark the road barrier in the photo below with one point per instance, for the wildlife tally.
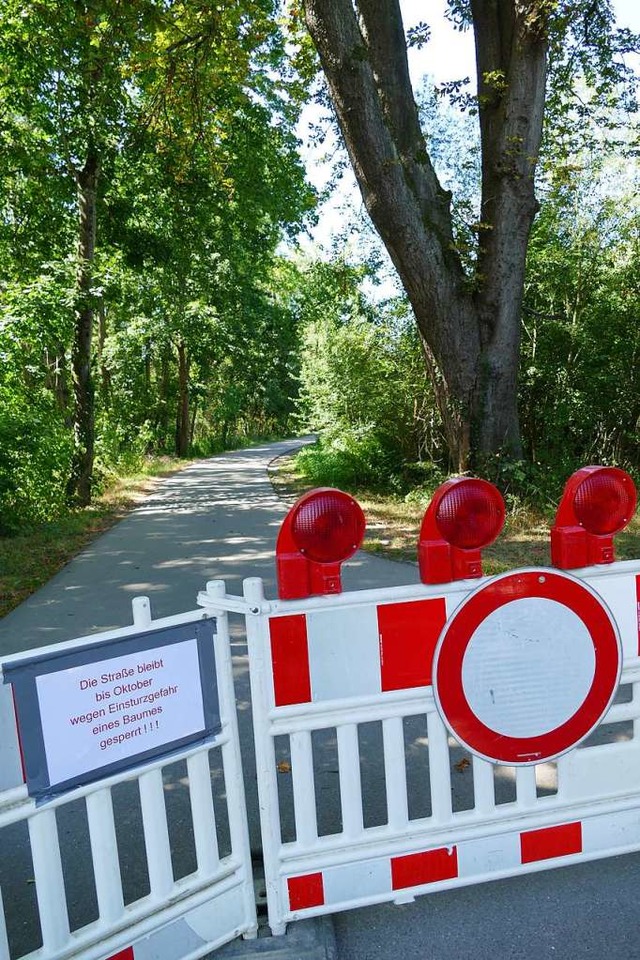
(112, 842)
(357, 665)
(408, 739)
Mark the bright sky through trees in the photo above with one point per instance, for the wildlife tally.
(449, 55)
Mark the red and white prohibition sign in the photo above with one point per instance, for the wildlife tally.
(527, 666)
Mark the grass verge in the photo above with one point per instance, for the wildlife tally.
(393, 525)
(28, 560)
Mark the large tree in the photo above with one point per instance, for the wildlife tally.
(469, 320)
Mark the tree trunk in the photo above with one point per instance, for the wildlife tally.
(58, 381)
(164, 391)
(511, 61)
(105, 373)
(79, 485)
(470, 326)
(183, 422)
(192, 424)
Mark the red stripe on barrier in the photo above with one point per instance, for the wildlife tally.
(408, 635)
(428, 867)
(550, 842)
(306, 891)
(638, 608)
(126, 954)
(290, 659)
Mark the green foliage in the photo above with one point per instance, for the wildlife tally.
(362, 383)
(35, 441)
(202, 332)
(36, 451)
(580, 385)
(190, 111)
(348, 460)
(592, 89)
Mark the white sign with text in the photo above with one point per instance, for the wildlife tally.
(113, 709)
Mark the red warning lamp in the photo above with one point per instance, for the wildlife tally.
(597, 503)
(322, 530)
(465, 515)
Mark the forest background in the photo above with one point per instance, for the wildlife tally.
(159, 296)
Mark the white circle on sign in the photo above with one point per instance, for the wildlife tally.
(528, 667)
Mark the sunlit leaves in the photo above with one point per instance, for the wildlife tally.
(190, 110)
(581, 344)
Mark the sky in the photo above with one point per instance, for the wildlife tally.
(449, 55)
(448, 50)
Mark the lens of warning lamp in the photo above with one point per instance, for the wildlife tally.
(605, 501)
(471, 514)
(328, 527)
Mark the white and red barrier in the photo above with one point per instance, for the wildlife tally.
(518, 694)
(176, 916)
(297, 692)
(325, 661)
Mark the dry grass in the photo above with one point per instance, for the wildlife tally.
(393, 526)
(29, 560)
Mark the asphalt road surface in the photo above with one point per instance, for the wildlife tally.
(219, 519)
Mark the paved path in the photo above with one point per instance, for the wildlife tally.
(219, 519)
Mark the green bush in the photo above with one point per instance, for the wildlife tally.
(348, 460)
(580, 373)
(120, 450)
(363, 386)
(35, 460)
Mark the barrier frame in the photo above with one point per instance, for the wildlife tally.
(183, 919)
(594, 813)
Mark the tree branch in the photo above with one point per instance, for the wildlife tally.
(378, 118)
(384, 34)
(511, 49)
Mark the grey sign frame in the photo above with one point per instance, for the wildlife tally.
(23, 674)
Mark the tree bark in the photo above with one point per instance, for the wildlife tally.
(183, 421)
(164, 391)
(79, 485)
(105, 373)
(470, 326)
(511, 60)
(58, 381)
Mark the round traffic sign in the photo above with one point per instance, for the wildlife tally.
(527, 666)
